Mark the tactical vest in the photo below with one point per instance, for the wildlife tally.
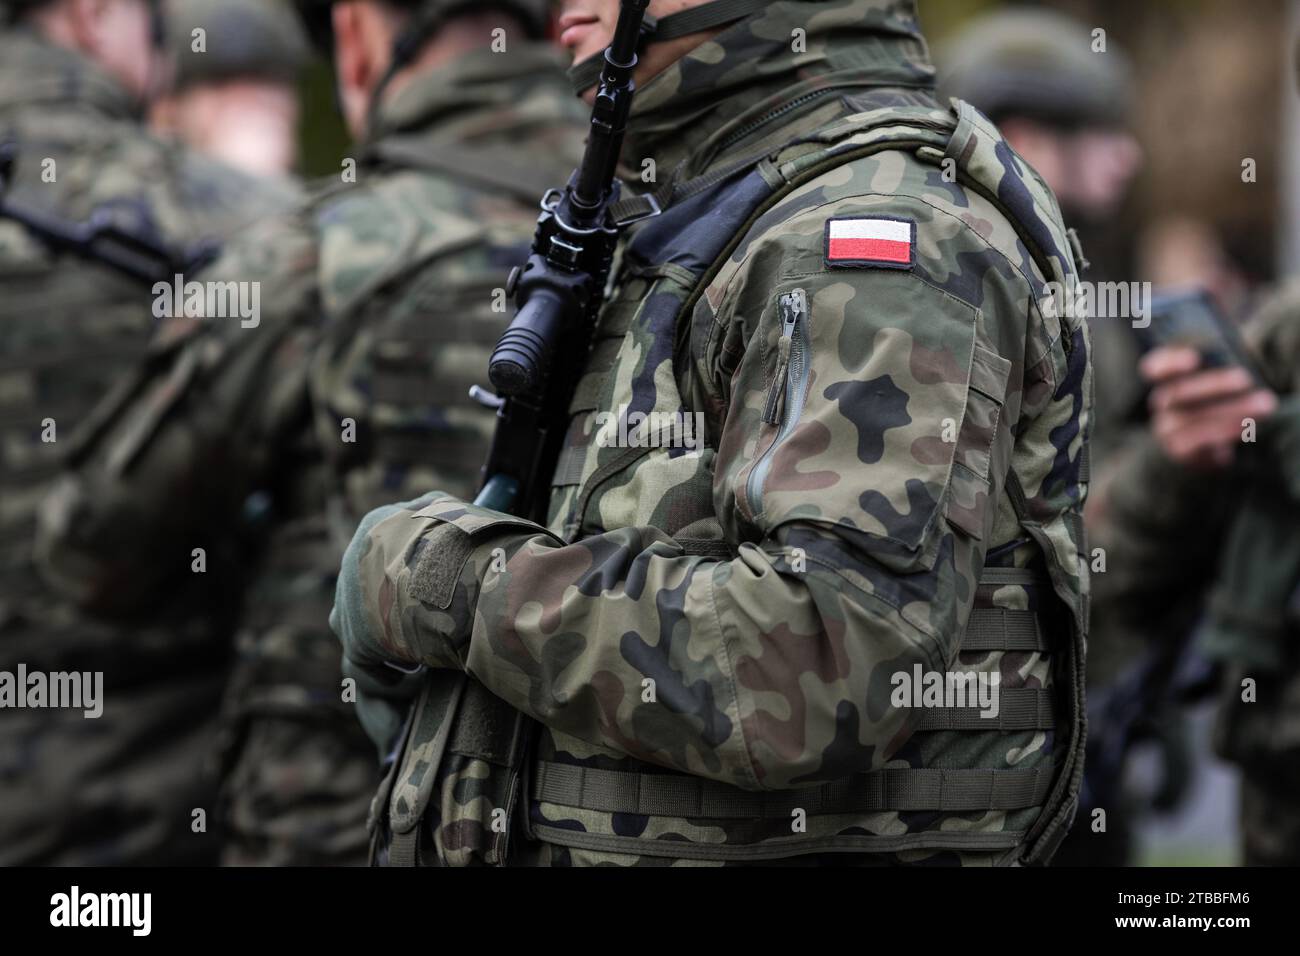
(466, 771)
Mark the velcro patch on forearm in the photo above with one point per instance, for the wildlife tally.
(444, 551)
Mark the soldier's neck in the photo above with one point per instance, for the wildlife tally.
(766, 77)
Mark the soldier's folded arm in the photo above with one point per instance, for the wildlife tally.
(167, 460)
(859, 451)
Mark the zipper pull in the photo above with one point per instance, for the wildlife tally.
(792, 305)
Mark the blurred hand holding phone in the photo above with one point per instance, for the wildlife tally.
(1207, 395)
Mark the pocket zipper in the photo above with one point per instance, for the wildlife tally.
(786, 394)
(789, 322)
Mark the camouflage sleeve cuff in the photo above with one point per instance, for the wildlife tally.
(430, 565)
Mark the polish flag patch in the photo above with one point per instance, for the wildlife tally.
(881, 243)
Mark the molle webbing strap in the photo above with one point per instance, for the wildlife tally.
(404, 849)
(1003, 629)
(568, 469)
(1052, 824)
(1021, 577)
(1074, 521)
(1019, 708)
(678, 795)
(584, 75)
(377, 817)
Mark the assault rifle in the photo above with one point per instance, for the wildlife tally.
(559, 292)
(535, 368)
(101, 238)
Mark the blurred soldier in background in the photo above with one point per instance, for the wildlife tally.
(234, 91)
(1063, 103)
(75, 317)
(381, 300)
(1174, 538)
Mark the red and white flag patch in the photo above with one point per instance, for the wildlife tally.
(877, 242)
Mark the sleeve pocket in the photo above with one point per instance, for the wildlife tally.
(970, 486)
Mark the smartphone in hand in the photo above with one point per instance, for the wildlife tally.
(1192, 318)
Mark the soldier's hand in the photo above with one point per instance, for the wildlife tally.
(352, 618)
(1198, 415)
(385, 682)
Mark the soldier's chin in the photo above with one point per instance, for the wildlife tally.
(585, 39)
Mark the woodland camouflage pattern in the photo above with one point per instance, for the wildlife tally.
(380, 303)
(119, 789)
(857, 535)
(1171, 536)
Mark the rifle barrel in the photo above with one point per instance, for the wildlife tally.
(608, 117)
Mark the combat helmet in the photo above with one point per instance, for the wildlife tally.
(244, 38)
(1038, 64)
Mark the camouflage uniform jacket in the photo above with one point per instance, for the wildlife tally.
(380, 300)
(708, 635)
(119, 789)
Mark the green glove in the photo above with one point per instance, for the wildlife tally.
(384, 690)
